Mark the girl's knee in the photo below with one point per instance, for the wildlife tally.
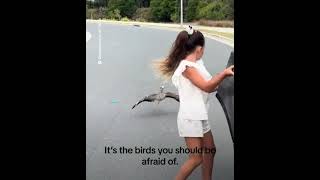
(197, 160)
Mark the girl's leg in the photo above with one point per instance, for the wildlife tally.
(207, 165)
(194, 160)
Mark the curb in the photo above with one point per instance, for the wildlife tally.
(171, 27)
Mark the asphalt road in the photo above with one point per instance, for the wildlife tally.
(120, 80)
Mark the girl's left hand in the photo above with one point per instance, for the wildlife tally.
(229, 71)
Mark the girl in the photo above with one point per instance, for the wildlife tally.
(194, 83)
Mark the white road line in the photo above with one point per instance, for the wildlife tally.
(88, 36)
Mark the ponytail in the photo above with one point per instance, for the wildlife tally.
(182, 46)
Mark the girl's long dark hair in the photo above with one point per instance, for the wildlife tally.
(182, 46)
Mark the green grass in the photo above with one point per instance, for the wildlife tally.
(223, 34)
(228, 36)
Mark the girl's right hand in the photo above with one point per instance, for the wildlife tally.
(229, 71)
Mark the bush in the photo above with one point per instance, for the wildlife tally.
(191, 12)
(115, 14)
(213, 11)
(96, 13)
(205, 22)
(92, 14)
(175, 17)
(163, 10)
(126, 7)
(125, 19)
(102, 12)
(228, 11)
(142, 14)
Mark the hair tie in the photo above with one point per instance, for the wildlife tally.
(190, 30)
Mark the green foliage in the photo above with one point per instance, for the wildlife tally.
(161, 10)
(125, 19)
(114, 14)
(175, 17)
(215, 10)
(191, 12)
(96, 13)
(126, 7)
(91, 14)
(142, 14)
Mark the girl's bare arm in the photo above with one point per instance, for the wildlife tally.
(208, 86)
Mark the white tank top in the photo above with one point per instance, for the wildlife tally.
(194, 102)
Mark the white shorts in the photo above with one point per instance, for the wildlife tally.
(192, 128)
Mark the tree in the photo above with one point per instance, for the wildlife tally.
(229, 9)
(191, 12)
(117, 14)
(215, 10)
(142, 14)
(127, 7)
(167, 10)
(142, 3)
(162, 10)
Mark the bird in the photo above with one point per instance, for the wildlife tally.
(158, 97)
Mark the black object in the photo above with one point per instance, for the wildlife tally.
(225, 96)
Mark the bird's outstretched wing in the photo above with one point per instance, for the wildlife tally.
(172, 95)
(149, 98)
